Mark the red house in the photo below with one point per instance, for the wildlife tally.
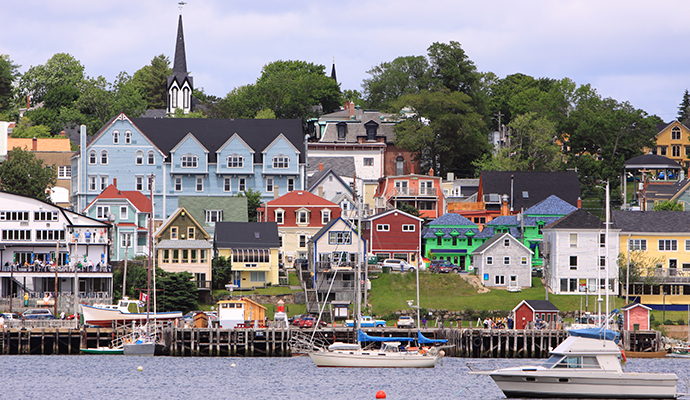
(529, 310)
(393, 234)
(636, 317)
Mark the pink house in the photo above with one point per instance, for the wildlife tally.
(636, 317)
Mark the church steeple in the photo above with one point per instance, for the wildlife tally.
(180, 84)
(333, 72)
(180, 64)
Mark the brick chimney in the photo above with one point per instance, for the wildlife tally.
(431, 172)
(63, 134)
(579, 202)
(115, 182)
(34, 144)
(351, 108)
(504, 207)
(320, 166)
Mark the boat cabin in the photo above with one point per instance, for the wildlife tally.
(240, 313)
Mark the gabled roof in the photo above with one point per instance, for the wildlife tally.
(328, 227)
(433, 233)
(578, 219)
(497, 238)
(651, 161)
(343, 166)
(300, 198)
(538, 185)
(652, 221)
(451, 219)
(245, 235)
(387, 212)
(189, 135)
(551, 205)
(137, 199)
(633, 305)
(174, 215)
(165, 133)
(538, 305)
(314, 180)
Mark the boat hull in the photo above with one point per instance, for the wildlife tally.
(140, 349)
(104, 317)
(567, 384)
(373, 360)
(646, 354)
(103, 350)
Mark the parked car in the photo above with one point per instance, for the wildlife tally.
(367, 322)
(38, 313)
(405, 321)
(294, 320)
(11, 315)
(399, 265)
(308, 322)
(443, 267)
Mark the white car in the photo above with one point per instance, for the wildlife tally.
(399, 265)
(405, 321)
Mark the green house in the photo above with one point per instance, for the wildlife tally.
(451, 237)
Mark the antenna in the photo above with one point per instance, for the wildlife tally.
(180, 5)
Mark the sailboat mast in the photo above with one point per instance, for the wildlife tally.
(359, 262)
(148, 285)
(606, 279)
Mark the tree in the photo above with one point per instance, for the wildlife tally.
(177, 291)
(390, 80)
(684, 109)
(137, 278)
(643, 268)
(404, 207)
(265, 113)
(222, 272)
(151, 82)
(27, 129)
(24, 174)
(668, 205)
(9, 72)
(60, 70)
(179, 113)
(253, 202)
(58, 108)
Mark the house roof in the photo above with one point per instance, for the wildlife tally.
(651, 221)
(551, 205)
(451, 219)
(301, 198)
(42, 144)
(343, 166)
(314, 180)
(166, 133)
(497, 238)
(537, 185)
(633, 305)
(651, 161)
(246, 235)
(431, 232)
(183, 244)
(665, 190)
(538, 305)
(328, 226)
(138, 200)
(384, 213)
(578, 219)
(166, 223)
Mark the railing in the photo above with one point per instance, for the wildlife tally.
(408, 191)
(203, 285)
(42, 323)
(338, 286)
(61, 269)
(672, 275)
(327, 265)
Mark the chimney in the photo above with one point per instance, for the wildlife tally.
(320, 166)
(431, 172)
(275, 191)
(351, 108)
(320, 191)
(63, 134)
(579, 202)
(115, 182)
(34, 144)
(451, 176)
(28, 102)
(504, 207)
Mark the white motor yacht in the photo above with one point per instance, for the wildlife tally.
(585, 365)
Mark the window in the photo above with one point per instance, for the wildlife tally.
(368, 161)
(193, 256)
(202, 256)
(279, 217)
(439, 241)
(573, 240)
(140, 183)
(173, 103)
(189, 161)
(506, 260)
(173, 232)
(235, 161)
(281, 161)
(399, 166)
(339, 237)
(151, 158)
(213, 216)
(383, 228)
(489, 260)
(602, 262)
(226, 185)
(290, 184)
(668, 245)
(123, 212)
(178, 184)
(269, 184)
(92, 157)
(325, 217)
(342, 130)
(506, 242)
(92, 182)
(573, 262)
(150, 183)
(185, 256)
(662, 150)
(523, 260)
(257, 276)
(199, 184)
(104, 157)
(185, 97)
(302, 240)
(500, 280)
(16, 234)
(454, 241)
(102, 211)
(602, 240)
(302, 217)
(191, 232)
(675, 151)
(675, 133)
(139, 157)
(426, 205)
(126, 239)
(104, 182)
(116, 137)
(371, 131)
(638, 244)
(175, 256)
(64, 172)
(242, 185)
(408, 228)
(687, 245)
(128, 137)
(525, 194)
(38, 216)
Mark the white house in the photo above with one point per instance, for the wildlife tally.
(503, 261)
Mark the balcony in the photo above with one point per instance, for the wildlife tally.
(411, 192)
(322, 266)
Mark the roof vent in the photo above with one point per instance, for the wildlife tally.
(257, 235)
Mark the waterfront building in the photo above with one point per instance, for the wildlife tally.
(503, 262)
(394, 234)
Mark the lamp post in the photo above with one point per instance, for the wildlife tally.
(663, 313)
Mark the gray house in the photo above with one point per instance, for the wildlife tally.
(503, 261)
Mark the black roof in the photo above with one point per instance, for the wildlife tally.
(166, 133)
(541, 305)
(652, 221)
(578, 219)
(651, 161)
(538, 185)
(245, 235)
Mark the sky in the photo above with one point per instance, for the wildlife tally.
(630, 50)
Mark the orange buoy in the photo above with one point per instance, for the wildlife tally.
(380, 394)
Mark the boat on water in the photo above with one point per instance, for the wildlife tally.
(646, 354)
(103, 350)
(104, 315)
(586, 365)
(392, 353)
(142, 347)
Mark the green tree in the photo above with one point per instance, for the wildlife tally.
(390, 80)
(137, 278)
(668, 205)
(27, 129)
(253, 202)
(151, 82)
(58, 108)
(265, 113)
(60, 70)
(643, 268)
(177, 291)
(412, 210)
(222, 272)
(9, 73)
(684, 109)
(179, 113)
(23, 173)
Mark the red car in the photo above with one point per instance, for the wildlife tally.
(308, 322)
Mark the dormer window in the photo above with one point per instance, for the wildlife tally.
(281, 161)
(342, 130)
(302, 217)
(325, 216)
(235, 161)
(280, 217)
(675, 133)
(189, 161)
(371, 128)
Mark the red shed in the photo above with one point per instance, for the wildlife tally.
(636, 317)
(529, 310)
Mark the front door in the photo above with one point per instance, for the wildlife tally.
(237, 278)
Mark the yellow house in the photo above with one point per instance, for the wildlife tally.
(252, 248)
(673, 141)
(659, 241)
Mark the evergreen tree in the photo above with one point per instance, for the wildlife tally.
(684, 109)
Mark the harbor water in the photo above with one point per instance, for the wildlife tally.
(117, 377)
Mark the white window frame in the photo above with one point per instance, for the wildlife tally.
(178, 184)
(368, 161)
(102, 212)
(199, 186)
(139, 183)
(325, 216)
(269, 184)
(280, 217)
(489, 260)
(301, 213)
(139, 157)
(638, 244)
(93, 157)
(227, 184)
(506, 260)
(64, 172)
(523, 260)
(150, 157)
(92, 182)
(104, 182)
(104, 156)
(668, 245)
(124, 212)
(116, 137)
(128, 137)
(281, 161)
(189, 160)
(235, 161)
(499, 280)
(409, 228)
(383, 228)
(290, 184)
(242, 185)
(214, 214)
(573, 240)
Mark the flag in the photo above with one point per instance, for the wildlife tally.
(142, 296)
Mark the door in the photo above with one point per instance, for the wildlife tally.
(237, 278)
(401, 187)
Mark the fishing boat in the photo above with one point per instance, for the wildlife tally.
(646, 354)
(586, 365)
(104, 315)
(103, 350)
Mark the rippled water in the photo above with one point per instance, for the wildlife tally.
(116, 377)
